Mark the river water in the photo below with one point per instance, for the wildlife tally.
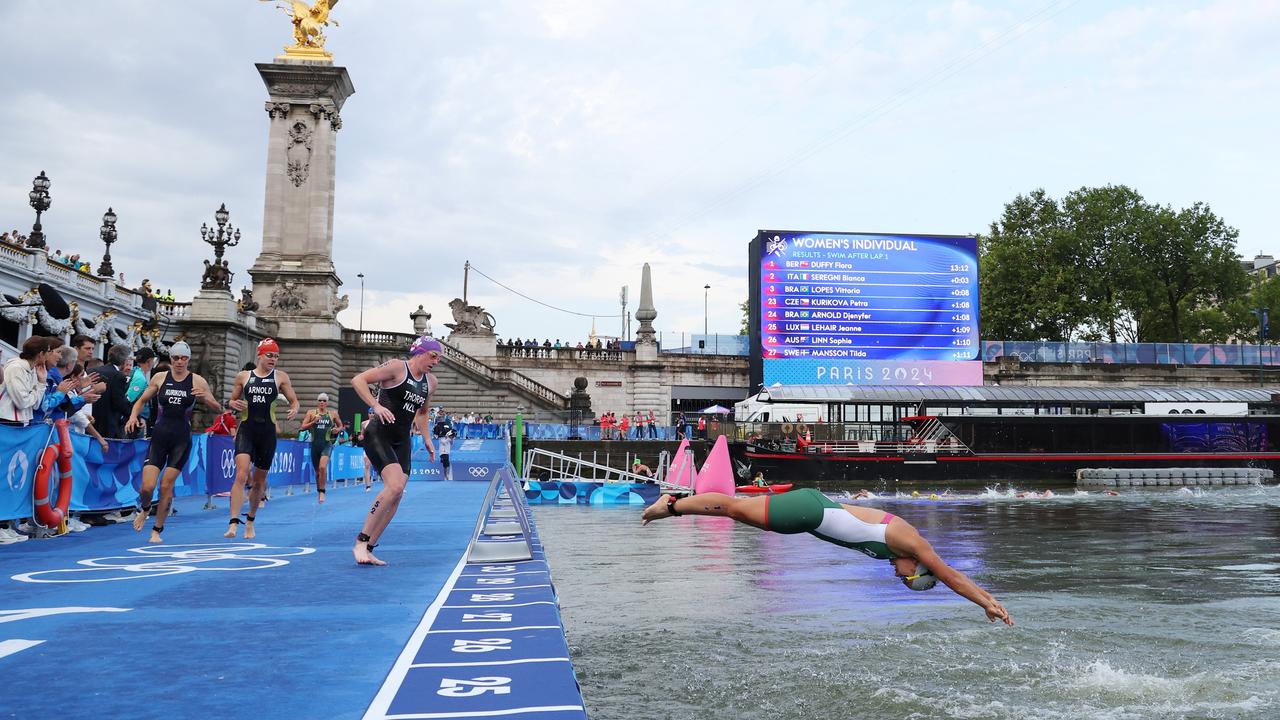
(1147, 605)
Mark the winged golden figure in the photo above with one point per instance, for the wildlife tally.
(309, 22)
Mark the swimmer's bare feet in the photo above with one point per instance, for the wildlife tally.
(155, 538)
(231, 529)
(364, 556)
(656, 511)
(139, 519)
(320, 497)
(249, 534)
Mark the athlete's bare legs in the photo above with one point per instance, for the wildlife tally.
(384, 508)
(243, 466)
(256, 492)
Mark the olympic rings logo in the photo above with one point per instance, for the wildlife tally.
(171, 560)
(478, 471)
(228, 463)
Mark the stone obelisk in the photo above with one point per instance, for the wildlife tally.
(647, 387)
(294, 279)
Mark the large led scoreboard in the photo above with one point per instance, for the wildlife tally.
(864, 308)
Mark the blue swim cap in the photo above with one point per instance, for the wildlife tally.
(922, 580)
(426, 344)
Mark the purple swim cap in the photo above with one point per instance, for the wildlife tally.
(426, 344)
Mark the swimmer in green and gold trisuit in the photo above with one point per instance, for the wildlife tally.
(875, 533)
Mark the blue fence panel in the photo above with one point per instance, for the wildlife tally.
(1130, 353)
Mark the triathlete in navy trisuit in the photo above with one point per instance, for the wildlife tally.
(321, 423)
(176, 392)
(254, 394)
(403, 399)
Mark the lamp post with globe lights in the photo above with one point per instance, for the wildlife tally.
(40, 202)
(108, 235)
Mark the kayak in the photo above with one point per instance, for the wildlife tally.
(758, 490)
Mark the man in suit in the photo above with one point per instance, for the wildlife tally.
(113, 407)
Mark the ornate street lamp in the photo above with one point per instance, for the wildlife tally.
(40, 201)
(108, 235)
(217, 276)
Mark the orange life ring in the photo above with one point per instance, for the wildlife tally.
(47, 514)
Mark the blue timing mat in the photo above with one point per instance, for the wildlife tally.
(101, 624)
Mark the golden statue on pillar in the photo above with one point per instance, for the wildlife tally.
(308, 29)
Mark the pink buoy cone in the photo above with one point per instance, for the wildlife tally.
(683, 471)
(716, 474)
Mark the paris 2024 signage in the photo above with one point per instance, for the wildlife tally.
(831, 308)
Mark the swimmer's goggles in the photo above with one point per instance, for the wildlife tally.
(922, 580)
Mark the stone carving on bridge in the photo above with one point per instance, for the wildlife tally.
(469, 319)
(288, 298)
(298, 154)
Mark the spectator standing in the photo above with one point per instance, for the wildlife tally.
(143, 361)
(702, 426)
(24, 381)
(623, 426)
(111, 410)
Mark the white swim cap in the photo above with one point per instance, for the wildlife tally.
(180, 349)
(923, 579)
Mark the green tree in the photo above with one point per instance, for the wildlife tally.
(745, 307)
(1104, 263)
(1189, 271)
(1100, 226)
(1027, 288)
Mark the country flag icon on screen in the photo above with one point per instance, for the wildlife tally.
(804, 301)
(804, 263)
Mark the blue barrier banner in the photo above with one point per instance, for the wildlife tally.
(471, 459)
(108, 481)
(20, 448)
(291, 465)
(221, 463)
(111, 481)
(346, 463)
(557, 431)
(480, 431)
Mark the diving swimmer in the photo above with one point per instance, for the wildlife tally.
(875, 533)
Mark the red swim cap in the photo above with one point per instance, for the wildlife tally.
(268, 345)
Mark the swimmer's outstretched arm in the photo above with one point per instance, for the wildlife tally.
(905, 541)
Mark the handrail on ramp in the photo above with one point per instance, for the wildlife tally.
(559, 466)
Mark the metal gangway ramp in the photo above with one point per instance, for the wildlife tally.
(502, 532)
(539, 462)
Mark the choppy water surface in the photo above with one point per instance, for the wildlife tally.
(1147, 605)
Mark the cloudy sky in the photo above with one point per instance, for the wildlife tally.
(560, 144)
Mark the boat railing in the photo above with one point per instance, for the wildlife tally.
(541, 464)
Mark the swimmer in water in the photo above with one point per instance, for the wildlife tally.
(875, 533)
